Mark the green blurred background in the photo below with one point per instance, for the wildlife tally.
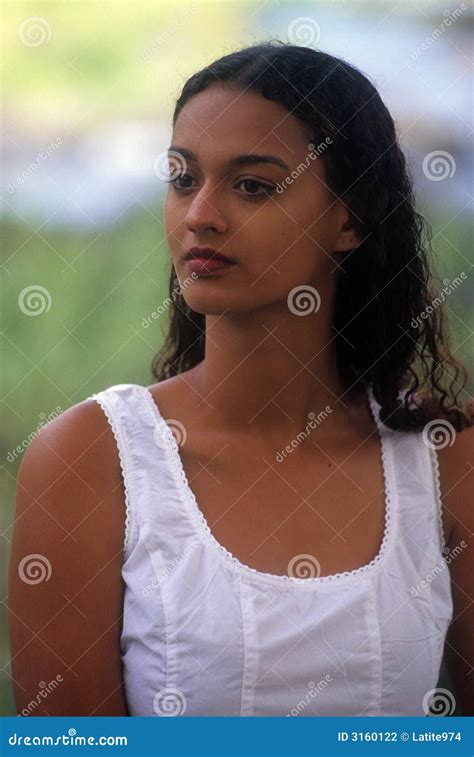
(98, 80)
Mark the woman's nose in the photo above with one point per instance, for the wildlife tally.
(203, 213)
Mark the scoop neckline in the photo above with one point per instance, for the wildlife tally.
(198, 519)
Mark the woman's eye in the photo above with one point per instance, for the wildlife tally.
(180, 178)
(252, 184)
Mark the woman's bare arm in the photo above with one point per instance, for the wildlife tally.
(456, 464)
(68, 532)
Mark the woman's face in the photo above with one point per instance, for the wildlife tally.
(279, 240)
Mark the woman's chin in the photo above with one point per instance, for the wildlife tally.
(211, 303)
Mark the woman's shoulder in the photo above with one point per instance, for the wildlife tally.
(455, 455)
(72, 438)
(71, 468)
(456, 478)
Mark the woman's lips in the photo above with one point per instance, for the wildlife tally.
(208, 266)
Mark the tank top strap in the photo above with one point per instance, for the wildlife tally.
(144, 442)
(417, 499)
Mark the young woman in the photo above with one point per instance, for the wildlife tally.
(280, 524)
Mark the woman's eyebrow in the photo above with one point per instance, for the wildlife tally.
(239, 160)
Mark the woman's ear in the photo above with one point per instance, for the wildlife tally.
(348, 237)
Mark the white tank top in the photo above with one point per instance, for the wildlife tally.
(204, 634)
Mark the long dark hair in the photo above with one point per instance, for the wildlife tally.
(386, 330)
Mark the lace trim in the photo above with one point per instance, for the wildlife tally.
(438, 499)
(175, 464)
(122, 448)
